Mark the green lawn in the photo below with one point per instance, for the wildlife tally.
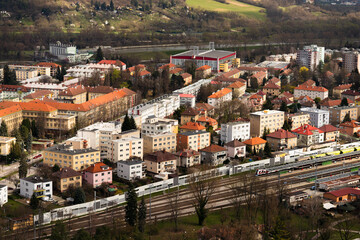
(231, 6)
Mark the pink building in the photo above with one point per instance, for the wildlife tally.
(97, 174)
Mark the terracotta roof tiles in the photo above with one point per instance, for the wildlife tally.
(98, 167)
(220, 93)
(254, 141)
(281, 134)
(213, 148)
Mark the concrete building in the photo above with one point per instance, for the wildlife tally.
(97, 174)
(193, 88)
(235, 148)
(310, 56)
(3, 195)
(238, 89)
(269, 119)
(67, 177)
(281, 139)
(337, 114)
(219, 97)
(308, 135)
(298, 119)
(124, 149)
(331, 133)
(153, 125)
(311, 91)
(187, 100)
(350, 128)
(350, 94)
(42, 188)
(239, 130)
(203, 71)
(351, 61)
(189, 115)
(76, 95)
(62, 49)
(338, 90)
(318, 117)
(159, 142)
(187, 158)
(159, 162)
(194, 140)
(66, 156)
(6, 144)
(131, 170)
(213, 155)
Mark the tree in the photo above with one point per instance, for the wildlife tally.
(55, 168)
(28, 141)
(63, 73)
(3, 129)
(347, 118)
(24, 132)
(34, 202)
(284, 107)
(34, 129)
(58, 73)
(59, 232)
(344, 102)
(79, 196)
(112, 6)
(82, 235)
(99, 55)
(15, 152)
(254, 83)
(317, 100)
(173, 199)
(132, 123)
(267, 149)
(9, 77)
(280, 231)
(265, 132)
(268, 105)
(23, 167)
(126, 125)
(286, 125)
(103, 233)
(131, 206)
(142, 215)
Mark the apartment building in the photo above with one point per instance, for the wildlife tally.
(281, 139)
(189, 115)
(235, 130)
(6, 144)
(67, 177)
(213, 155)
(194, 140)
(159, 162)
(154, 125)
(351, 61)
(187, 158)
(311, 91)
(76, 95)
(338, 90)
(308, 135)
(3, 195)
(238, 88)
(318, 117)
(192, 126)
(298, 119)
(131, 170)
(53, 67)
(42, 188)
(219, 97)
(193, 88)
(310, 56)
(97, 174)
(337, 114)
(187, 100)
(124, 149)
(14, 92)
(65, 156)
(235, 148)
(350, 94)
(159, 142)
(269, 119)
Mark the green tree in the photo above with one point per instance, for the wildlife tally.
(284, 107)
(58, 73)
(347, 118)
(34, 202)
(268, 105)
(23, 167)
(103, 233)
(112, 6)
(286, 125)
(9, 77)
(254, 83)
(142, 215)
(317, 100)
(267, 149)
(82, 235)
(265, 132)
(3, 129)
(15, 152)
(34, 129)
(178, 112)
(59, 232)
(344, 102)
(131, 206)
(79, 196)
(26, 122)
(63, 73)
(99, 55)
(29, 141)
(24, 132)
(132, 123)
(126, 125)
(280, 232)
(55, 168)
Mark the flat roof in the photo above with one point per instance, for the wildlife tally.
(205, 53)
(266, 112)
(35, 179)
(129, 163)
(313, 110)
(193, 133)
(66, 149)
(273, 64)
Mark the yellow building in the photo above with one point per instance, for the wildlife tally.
(5, 145)
(159, 142)
(271, 120)
(189, 115)
(76, 95)
(255, 144)
(66, 178)
(337, 114)
(66, 156)
(160, 161)
(12, 117)
(281, 139)
(339, 89)
(298, 119)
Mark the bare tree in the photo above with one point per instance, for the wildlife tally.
(344, 229)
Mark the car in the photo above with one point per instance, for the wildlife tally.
(313, 187)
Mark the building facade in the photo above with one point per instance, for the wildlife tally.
(159, 162)
(97, 174)
(266, 119)
(318, 117)
(42, 188)
(124, 149)
(194, 140)
(159, 142)
(131, 170)
(239, 130)
(153, 125)
(337, 114)
(3, 195)
(67, 177)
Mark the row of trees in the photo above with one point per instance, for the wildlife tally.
(9, 76)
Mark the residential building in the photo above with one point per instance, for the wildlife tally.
(187, 77)
(266, 119)
(14, 92)
(203, 71)
(350, 128)
(208, 122)
(311, 91)
(193, 88)
(168, 67)
(189, 115)
(255, 102)
(350, 94)
(235, 148)
(159, 162)
(124, 149)
(310, 56)
(131, 169)
(308, 135)
(53, 67)
(219, 97)
(318, 117)
(351, 61)
(253, 70)
(97, 174)
(66, 178)
(23, 74)
(288, 95)
(59, 49)
(258, 77)
(39, 95)
(41, 188)
(3, 195)
(337, 114)
(239, 130)
(192, 126)
(255, 144)
(194, 140)
(331, 133)
(187, 158)
(327, 103)
(20, 69)
(281, 139)
(205, 109)
(159, 142)
(187, 100)
(76, 95)
(6, 144)
(298, 119)
(213, 155)
(338, 90)
(65, 156)
(342, 195)
(272, 89)
(117, 63)
(155, 125)
(94, 92)
(238, 88)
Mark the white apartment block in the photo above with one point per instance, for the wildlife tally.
(3, 195)
(88, 70)
(269, 119)
(124, 148)
(310, 56)
(34, 85)
(160, 142)
(131, 170)
(351, 61)
(193, 88)
(318, 117)
(155, 125)
(311, 91)
(35, 185)
(187, 100)
(59, 49)
(219, 97)
(235, 130)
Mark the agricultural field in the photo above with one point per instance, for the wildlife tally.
(230, 6)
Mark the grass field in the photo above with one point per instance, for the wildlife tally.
(231, 6)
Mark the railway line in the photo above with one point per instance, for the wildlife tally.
(160, 204)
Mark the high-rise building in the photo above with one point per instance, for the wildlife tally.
(351, 61)
(310, 56)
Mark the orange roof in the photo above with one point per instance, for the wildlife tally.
(202, 68)
(112, 62)
(73, 91)
(328, 128)
(254, 141)
(144, 73)
(48, 64)
(255, 96)
(259, 75)
(209, 120)
(213, 148)
(169, 65)
(193, 126)
(343, 87)
(220, 93)
(36, 105)
(231, 73)
(186, 75)
(281, 134)
(9, 110)
(271, 85)
(309, 83)
(305, 98)
(176, 70)
(37, 94)
(237, 84)
(275, 80)
(306, 129)
(311, 88)
(98, 167)
(350, 124)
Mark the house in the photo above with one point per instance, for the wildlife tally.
(205, 109)
(279, 101)
(272, 89)
(328, 103)
(193, 140)
(337, 114)
(350, 127)
(338, 90)
(187, 77)
(234, 73)
(237, 130)
(159, 162)
(266, 119)
(192, 126)
(309, 83)
(66, 178)
(75, 95)
(97, 174)
(189, 115)
(288, 95)
(223, 95)
(168, 66)
(53, 67)
(39, 95)
(208, 122)
(176, 71)
(3, 195)
(311, 91)
(345, 194)
(255, 143)
(235, 148)
(238, 88)
(42, 188)
(281, 139)
(131, 169)
(187, 100)
(350, 94)
(331, 133)
(255, 102)
(187, 158)
(159, 142)
(203, 71)
(6, 145)
(306, 101)
(213, 155)
(318, 117)
(308, 135)
(259, 77)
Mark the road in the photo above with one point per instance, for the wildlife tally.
(6, 170)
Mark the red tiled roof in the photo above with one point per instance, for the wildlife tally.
(235, 143)
(176, 70)
(202, 68)
(98, 167)
(10, 110)
(169, 65)
(193, 126)
(187, 153)
(186, 75)
(259, 75)
(345, 191)
(309, 83)
(203, 107)
(100, 89)
(213, 148)
(66, 172)
(305, 98)
(209, 120)
(14, 88)
(287, 94)
(231, 73)
(343, 87)
(144, 73)
(350, 93)
(254, 141)
(311, 88)
(281, 134)
(275, 80)
(183, 95)
(261, 93)
(237, 84)
(73, 91)
(38, 94)
(328, 128)
(350, 124)
(190, 112)
(48, 64)
(306, 129)
(220, 93)
(159, 156)
(271, 85)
